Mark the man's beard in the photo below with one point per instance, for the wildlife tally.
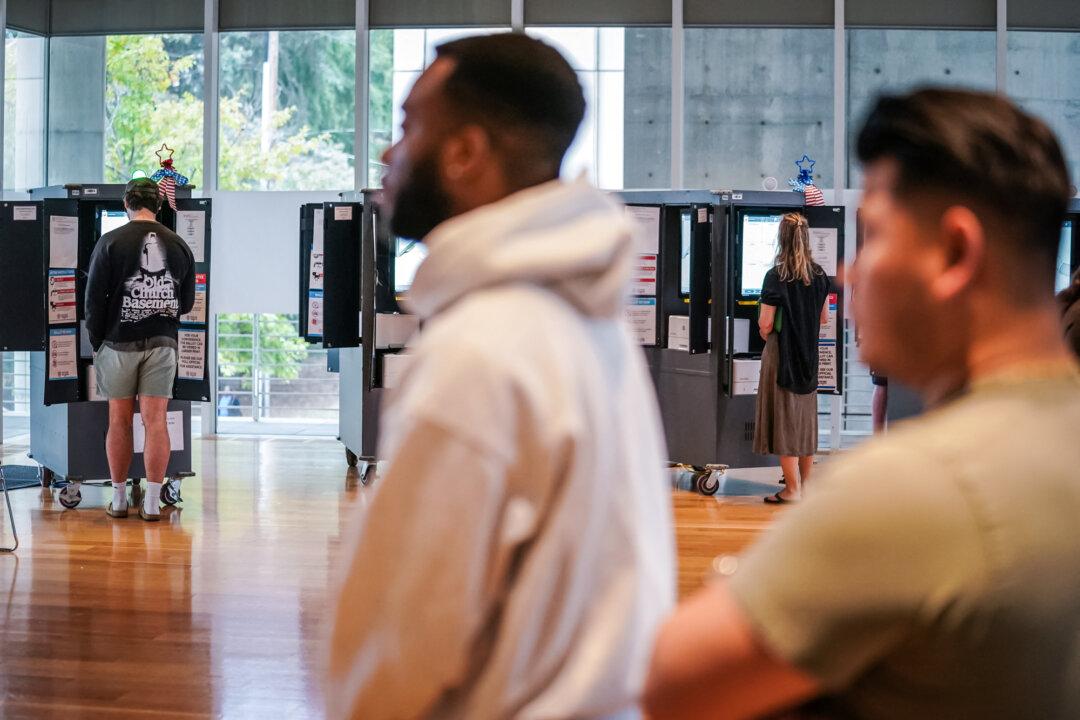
(421, 202)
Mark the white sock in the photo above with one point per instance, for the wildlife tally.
(119, 496)
(152, 501)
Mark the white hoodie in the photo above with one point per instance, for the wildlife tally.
(518, 556)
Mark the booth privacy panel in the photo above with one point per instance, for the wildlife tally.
(22, 277)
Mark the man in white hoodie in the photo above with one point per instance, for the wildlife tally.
(517, 557)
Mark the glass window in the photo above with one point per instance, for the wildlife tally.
(24, 111)
(271, 380)
(287, 110)
(16, 396)
(398, 57)
(625, 138)
(756, 100)
(898, 60)
(153, 95)
(1044, 78)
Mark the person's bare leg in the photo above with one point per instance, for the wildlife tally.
(156, 451)
(118, 449)
(806, 465)
(792, 482)
(879, 408)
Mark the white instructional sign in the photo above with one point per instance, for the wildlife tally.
(62, 305)
(191, 354)
(191, 227)
(646, 220)
(315, 313)
(641, 316)
(63, 354)
(63, 242)
(317, 242)
(823, 242)
(23, 213)
(198, 310)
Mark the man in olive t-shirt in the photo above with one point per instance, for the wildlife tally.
(935, 572)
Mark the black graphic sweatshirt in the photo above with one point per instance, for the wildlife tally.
(142, 279)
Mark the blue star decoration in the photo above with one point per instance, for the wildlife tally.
(806, 176)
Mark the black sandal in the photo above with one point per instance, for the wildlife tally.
(778, 500)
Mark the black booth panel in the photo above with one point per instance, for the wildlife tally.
(700, 278)
(830, 216)
(307, 240)
(192, 389)
(341, 282)
(22, 277)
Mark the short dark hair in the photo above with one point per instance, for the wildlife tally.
(511, 83)
(979, 147)
(142, 194)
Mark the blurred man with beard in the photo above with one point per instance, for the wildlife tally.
(518, 555)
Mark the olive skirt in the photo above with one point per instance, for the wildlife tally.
(787, 423)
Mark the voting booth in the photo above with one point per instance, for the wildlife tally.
(353, 275)
(45, 248)
(694, 305)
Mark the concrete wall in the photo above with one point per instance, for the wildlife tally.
(76, 110)
(647, 108)
(1044, 77)
(897, 60)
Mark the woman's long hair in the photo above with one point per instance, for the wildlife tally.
(794, 261)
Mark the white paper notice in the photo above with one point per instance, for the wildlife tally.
(823, 242)
(641, 316)
(644, 279)
(198, 310)
(827, 350)
(174, 420)
(316, 272)
(315, 313)
(62, 297)
(63, 242)
(24, 212)
(191, 226)
(317, 242)
(191, 360)
(63, 354)
(646, 221)
(343, 212)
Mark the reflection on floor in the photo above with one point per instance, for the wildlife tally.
(217, 610)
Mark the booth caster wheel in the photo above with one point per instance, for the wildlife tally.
(368, 475)
(350, 458)
(707, 483)
(46, 477)
(70, 496)
(170, 492)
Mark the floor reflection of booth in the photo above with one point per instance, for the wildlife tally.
(695, 311)
(45, 249)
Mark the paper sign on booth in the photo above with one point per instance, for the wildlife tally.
(317, 242)
(63, 242)
(62, 305)
(315, 313)
(63, 354)
(646, 221)
(823, 242)
(175, 422)
(641, 316)
(191, 226)
(198, 310)
(191, 354)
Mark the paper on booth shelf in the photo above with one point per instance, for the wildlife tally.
(175, 422)
(63, 242)
(62, 305)
(191, 354)
(641, 316)
(823, 242)
(191, 226)
(646, 220)
(63, 354)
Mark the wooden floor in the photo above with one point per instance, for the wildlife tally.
(217, 610)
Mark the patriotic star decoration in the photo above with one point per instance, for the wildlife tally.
(804, 183)
(167, 178)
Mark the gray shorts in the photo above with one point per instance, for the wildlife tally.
(123, 374)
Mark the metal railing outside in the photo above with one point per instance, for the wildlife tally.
(267, 374)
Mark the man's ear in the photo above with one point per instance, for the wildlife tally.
(963, 248)
(465, 154)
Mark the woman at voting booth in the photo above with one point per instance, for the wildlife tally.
(792, 310)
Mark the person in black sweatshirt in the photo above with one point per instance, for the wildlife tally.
(141, 280)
